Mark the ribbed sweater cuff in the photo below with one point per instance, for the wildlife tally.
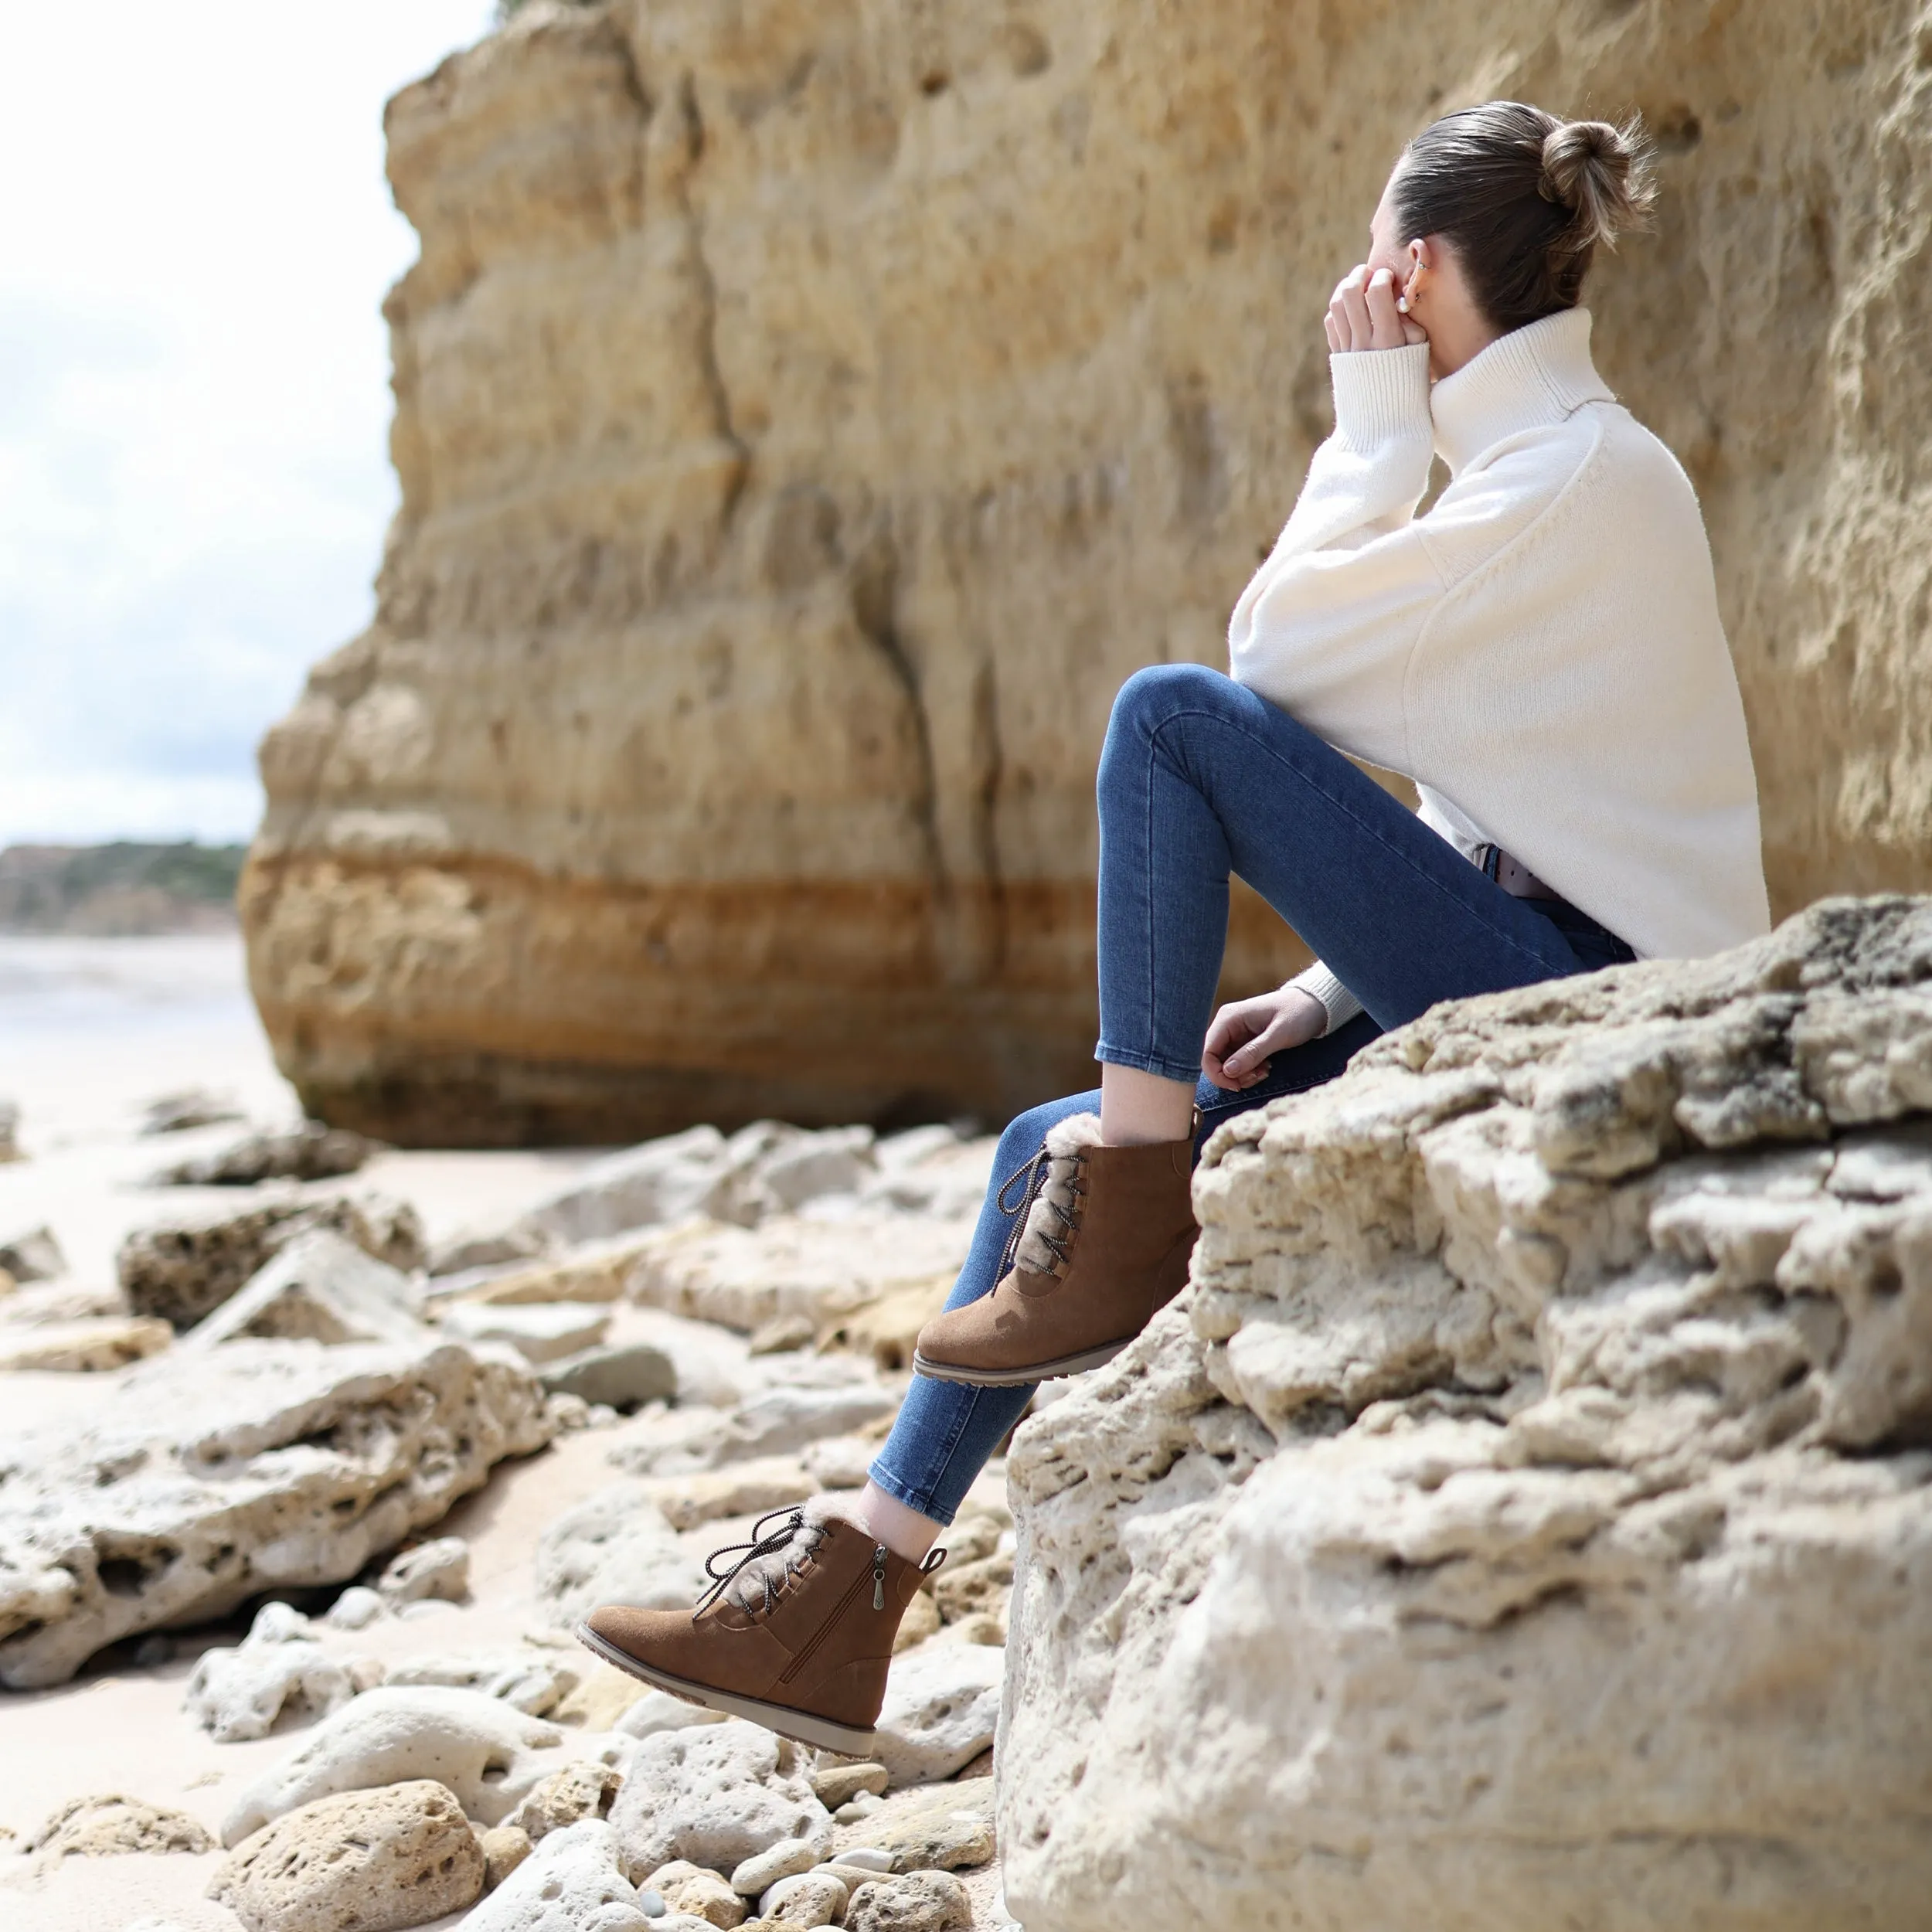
(1381, 394)
(1338, 1002)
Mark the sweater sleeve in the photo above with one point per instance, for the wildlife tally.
(1324, 629)
(1338, 1002)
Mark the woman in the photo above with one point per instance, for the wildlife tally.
(1541, 652)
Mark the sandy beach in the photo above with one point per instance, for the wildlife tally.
(92, 1033)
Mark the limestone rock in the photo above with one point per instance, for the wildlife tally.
(834, 1784)
(878, 398)
(615, 1547)
(740, 1489)
(378, 1861)
(1535, 1467)
(661, 1180)
(310, 1152)
(84, 1347)
(505, 1847)
(237, 1694)
(182, 1269)
(439, 1569)
(941, 1708)
(810, 1899)
(716, 1795)
(624, 1376)
(187, 1108)
(919, 1902)
(318, 1288)
(32, 1254)
(540, 1332)
(572, 1883)
(657, 1710)
(115, 1827)
(839, 1462)
(825, 1270)
(210, 1478)
(697, 1892)
(490, 1756)
(755, 1875)
(960, 1590)
(474, 1251)
(567, 1797)
(590, 1271)
(778, 1423)
(946, 1828)
(532, 1682)
(920, 1622)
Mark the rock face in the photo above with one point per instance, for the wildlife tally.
(806, 417)
(210, 1478)
(1525, 1519)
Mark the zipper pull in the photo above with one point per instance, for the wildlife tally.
(879, 1578)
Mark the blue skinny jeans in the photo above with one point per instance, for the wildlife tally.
(1200, 778)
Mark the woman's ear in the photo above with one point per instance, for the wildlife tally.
(1418, 252)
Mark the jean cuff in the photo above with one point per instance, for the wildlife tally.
(1149, 1063)
(911, 1498)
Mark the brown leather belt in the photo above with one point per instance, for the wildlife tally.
(1514, 876)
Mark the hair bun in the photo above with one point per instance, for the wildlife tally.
(1601, 175)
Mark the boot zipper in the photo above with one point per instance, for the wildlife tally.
(844, 1602)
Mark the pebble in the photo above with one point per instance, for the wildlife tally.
(855, 1811)
(504, 1848)
(807, 1899)
(919, 1902)
(379, 1860)
(836, 1784)
(697, 1890)
(789, 1857)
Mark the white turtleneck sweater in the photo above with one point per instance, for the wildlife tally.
(1541, 653)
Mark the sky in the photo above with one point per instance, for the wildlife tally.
(195, 235)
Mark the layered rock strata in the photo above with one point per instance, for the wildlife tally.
(807, 416)
(1525, 1518)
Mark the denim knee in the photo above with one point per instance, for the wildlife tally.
(1157, 691)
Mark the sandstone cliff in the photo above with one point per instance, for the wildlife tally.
(1525, 1519)
(807, 415)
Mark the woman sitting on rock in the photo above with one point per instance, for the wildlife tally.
(1541, 651)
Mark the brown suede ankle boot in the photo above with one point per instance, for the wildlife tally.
(795, 1635)
(1104, 1240)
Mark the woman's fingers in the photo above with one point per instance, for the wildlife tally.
(1355, 308)
(1329, 329)
(1378, 304)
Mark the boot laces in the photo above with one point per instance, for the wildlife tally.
(1039, 1173)
(768, 1561)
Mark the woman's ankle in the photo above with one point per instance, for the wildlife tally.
(899, 1527)
(1141, 1110)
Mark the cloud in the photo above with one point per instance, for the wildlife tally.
(194, 403)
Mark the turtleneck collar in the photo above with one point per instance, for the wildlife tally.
(1532, 377)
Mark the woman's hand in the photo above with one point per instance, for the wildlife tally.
(1247, 1034)
(1362, 314)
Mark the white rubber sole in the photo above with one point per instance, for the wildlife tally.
(801, 1727)
(1067, 1365)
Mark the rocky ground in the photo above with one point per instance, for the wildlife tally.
(311, 1453)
